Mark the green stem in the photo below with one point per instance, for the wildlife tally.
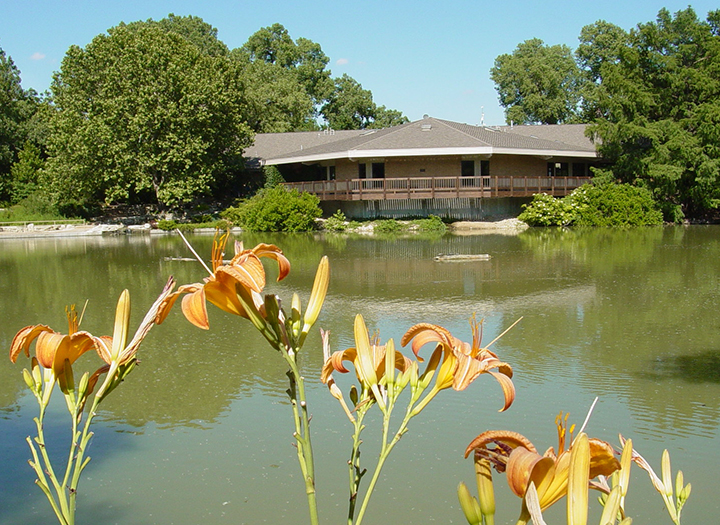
(384, 453)
(302, 433)
(354, 471)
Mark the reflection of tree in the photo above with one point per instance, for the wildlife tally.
(649, 323)
(603, 309)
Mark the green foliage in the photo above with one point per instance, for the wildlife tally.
(656, 105)
(537, 83)
(24, 174)
(613, 205)
(594, 205)
(17, 108)
(352, 107)
(336, 223)
(273, 177)
(276, 210)
(128, 123)
(546, 210)
(172, 225)
(389, 226)
(36, 207)
(433, 224)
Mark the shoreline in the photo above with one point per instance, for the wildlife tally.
(505, 227)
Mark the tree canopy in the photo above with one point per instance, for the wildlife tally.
(144, 109)
(658, 111)
(17, 107)
(537, 83)
(651, 96)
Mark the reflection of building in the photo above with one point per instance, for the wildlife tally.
(430, 166)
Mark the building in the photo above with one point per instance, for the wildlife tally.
(430, 167)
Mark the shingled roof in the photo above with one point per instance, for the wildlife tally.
(426, 137)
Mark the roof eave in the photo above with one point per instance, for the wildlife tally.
(427, 152)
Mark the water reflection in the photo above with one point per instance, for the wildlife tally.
(625, 315)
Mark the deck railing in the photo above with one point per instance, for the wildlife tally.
(438, 187)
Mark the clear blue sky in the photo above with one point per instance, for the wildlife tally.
(416, 56)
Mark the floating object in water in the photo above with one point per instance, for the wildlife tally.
(453, 257)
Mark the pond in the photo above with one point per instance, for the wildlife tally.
(201, 430)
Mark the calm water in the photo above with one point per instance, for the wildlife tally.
(200, 433)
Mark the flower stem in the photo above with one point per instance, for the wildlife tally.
(302, 433)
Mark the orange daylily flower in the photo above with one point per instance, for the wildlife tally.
(245, 269)
(461, 362)
(368, 358)
(514, 454)
(53, 348)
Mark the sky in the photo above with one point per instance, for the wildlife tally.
(419, 56)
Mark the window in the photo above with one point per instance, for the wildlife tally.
(485, 168)
(378, 170)
(331, 173)
(467, 168)
(579, 169)
(362, 172)
(558, 169)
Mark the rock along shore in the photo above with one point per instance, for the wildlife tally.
(505, 227)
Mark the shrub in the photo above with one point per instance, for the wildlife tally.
(336, 223)
(614, 205)
(388, 226)
(276, 210)
(546, 210)
(433, 224)
(273, 177)
(604, 204)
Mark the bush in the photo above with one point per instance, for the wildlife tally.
(433, 224)
(614, 205)
(605, 204)
(276, 210)
(388, 226)
(336, 223)
(546, 210)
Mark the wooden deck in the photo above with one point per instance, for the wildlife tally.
(438, 187)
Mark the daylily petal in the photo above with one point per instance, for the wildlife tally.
(423, 333)
(273, 252)
(71, 349)
(524, 466)
(603, 461)
(47, 346)
(21, 341)
(247, 270)
(193, 306)
(222, 294)
(103, 346)
(508, 389)
(336, 363)
(508, 438)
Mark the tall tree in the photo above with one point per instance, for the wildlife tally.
(537, 83)
(601, 47)
(352, 107)
(273, 45)
(143, 110)
(659, 107)
(16, 110)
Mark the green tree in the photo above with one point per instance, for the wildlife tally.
(601, 47)
(144, 113)
(538, 83)
(352, 107)
(17, 107)
(305, 58)
(276, 101)
(25, 173)
(659, 111)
